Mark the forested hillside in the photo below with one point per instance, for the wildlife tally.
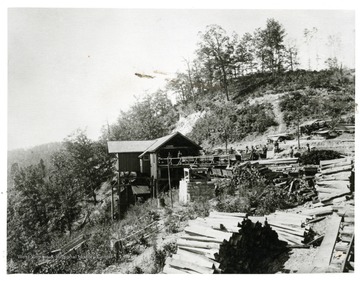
(223, 79)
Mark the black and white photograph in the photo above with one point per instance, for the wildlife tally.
(180, 140)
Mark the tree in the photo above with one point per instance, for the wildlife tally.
(152, 117)
(271, 42)
(245, 54)
(309, 35)
(65, 194)
(88, 162)
(27, 213)
(291, 55)
(216, 49)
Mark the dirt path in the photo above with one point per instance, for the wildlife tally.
(273, 99)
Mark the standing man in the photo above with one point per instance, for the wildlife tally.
(276, 146)
(264, 151)
(291, 152)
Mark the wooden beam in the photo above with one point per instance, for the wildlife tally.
(324, 254)
(347, 254)
(170, 270)
(188, 265)
(205, 252)
(208, 232)
(198, 244)
(192, 256)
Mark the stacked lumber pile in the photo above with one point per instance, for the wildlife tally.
(251, 250)
(204, 245)
(197, 248)
(334, 178)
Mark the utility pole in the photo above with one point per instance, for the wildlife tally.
(298, 127)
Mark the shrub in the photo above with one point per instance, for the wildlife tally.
(160, 255)
(315, 156)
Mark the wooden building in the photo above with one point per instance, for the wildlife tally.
(152, 157)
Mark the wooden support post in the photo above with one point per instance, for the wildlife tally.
(298, 128)
(118, 187)
(153, 186)
(170, 184)
(112, 203)
(119, 195)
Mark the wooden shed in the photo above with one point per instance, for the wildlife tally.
(151, 157)
(127, 153)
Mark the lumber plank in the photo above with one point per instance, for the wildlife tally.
(208, 232)
(319, 211)
(288, 230)
(205, 252)
(337, 170)
(347, 254)
(334, 184)
(194, 258)
(188, 265)
(202, 238)
(171, 270)
(349, 219)
(290, 237)
(191, 255)
(325, 197)
(236, 214)
(285, 221)
(333, 161)
(324, 254)
(335, 165)
(332, 191)
(285, 214)
(197, 244)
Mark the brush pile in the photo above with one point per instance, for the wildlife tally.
(265, 187)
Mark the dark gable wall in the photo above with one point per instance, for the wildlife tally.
(129, 161)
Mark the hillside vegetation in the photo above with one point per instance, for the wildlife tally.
(227, 73)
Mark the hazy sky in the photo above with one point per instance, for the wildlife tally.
(74, 68)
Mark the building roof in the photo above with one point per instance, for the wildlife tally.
(128, 146)
(143, 146)
(161, 141)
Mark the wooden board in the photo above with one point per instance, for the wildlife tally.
(180, 264)
(337, 170)
(208, 232)
(198, 259)
(198, 244)
(207, 253)
(334, 184)
(222, 214)
(319, 211)
(171, 270)
(324, 254)
(202, 238)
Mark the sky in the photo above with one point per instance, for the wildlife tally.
(75, 68)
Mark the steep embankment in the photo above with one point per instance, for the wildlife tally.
(186, 123)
